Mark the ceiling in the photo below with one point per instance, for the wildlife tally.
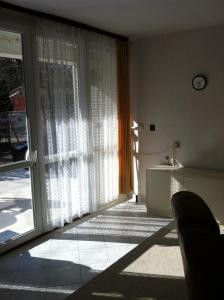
(134, 18)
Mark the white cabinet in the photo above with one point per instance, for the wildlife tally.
(163, 181)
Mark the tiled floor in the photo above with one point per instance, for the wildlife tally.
(54, 266)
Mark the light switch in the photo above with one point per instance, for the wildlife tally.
(152, 127)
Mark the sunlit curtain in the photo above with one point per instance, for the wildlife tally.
(124, 116)
(79, 124)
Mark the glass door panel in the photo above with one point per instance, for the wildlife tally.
(16, 178)
(16, 209)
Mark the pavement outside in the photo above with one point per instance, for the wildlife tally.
(16, 213)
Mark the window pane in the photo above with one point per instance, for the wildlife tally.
(16, 213)
(13, 132)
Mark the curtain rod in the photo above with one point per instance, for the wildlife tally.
(60, 19)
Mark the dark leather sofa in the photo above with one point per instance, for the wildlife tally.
(202, 246)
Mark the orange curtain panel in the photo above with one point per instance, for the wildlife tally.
(124, 119)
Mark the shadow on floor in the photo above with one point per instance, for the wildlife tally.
(136, 276)
(40, 278)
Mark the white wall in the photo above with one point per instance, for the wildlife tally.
(161, 93)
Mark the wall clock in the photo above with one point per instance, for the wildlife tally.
(199, 82)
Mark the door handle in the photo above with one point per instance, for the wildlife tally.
(31, 156)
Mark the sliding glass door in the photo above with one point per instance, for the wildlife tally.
(58, 125)
(19, 209)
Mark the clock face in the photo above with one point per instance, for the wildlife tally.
(199, 82)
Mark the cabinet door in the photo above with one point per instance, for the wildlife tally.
(158, 192)
(211, 190)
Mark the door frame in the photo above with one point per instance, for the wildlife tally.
(25, 25)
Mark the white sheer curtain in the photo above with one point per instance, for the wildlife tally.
(79, 126)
